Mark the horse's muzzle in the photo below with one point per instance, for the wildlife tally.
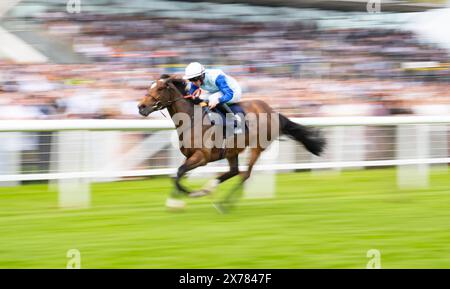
(145, 110)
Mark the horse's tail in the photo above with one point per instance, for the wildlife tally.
(311, 138)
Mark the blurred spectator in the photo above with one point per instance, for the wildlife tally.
(296, 67)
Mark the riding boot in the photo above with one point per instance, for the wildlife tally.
(223, 107)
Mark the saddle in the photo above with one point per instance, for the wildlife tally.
(217, 117)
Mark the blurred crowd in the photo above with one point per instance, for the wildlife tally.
(296, 67)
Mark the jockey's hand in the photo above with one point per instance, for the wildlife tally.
(213, 102)
(195, 94)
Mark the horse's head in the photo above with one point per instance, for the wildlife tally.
(161, 94)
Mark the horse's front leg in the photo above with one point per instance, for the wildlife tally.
(197, 159)
(177, 180)
(233, 161)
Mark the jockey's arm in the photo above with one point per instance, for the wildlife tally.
(222, 84)
(192, 89)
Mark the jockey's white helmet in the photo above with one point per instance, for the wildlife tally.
(193, 69)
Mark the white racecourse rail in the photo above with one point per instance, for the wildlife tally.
(353, 142)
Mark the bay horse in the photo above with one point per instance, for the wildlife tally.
(171, 92)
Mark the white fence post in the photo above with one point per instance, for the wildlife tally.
(354, 144)
(439, 144)
(262, 183)
(74, 151)
(176, 157)
(287, 151)
(104, 149)
(413, 143)
(337, 145)
(10, 155)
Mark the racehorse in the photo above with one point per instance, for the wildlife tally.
(170, 92)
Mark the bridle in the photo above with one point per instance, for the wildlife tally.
(159, 105)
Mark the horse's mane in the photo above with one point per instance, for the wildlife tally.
(179, 83)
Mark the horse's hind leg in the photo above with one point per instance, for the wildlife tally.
(232, 196)
(234, 169)
(233, 161)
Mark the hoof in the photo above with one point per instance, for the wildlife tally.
(175, 204)
(198, 194)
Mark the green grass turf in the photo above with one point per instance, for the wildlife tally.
(315, 221)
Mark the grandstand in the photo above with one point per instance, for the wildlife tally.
(303, 49)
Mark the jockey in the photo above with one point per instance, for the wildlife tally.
(223, 88)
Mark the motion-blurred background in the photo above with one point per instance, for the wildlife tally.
(94, 59)
(303, 61)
